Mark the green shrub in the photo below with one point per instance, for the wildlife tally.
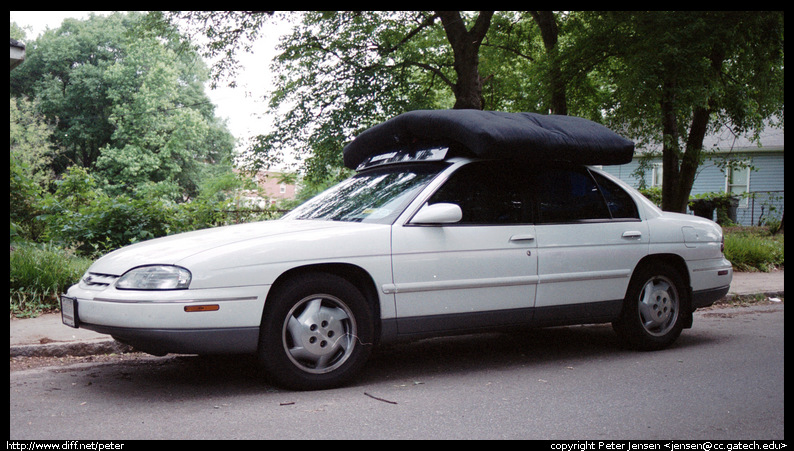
(39, 274)
(81, 217)
(653, 194)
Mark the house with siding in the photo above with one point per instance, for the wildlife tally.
(734, 165)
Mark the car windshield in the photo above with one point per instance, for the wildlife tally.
(375, 196)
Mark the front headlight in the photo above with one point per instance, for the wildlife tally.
(160, 277)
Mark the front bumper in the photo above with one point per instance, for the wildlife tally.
(243, 340)
(209, 321)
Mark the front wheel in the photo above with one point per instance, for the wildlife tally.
(316, 332)
(654, 308)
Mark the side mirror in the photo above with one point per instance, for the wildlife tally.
(441, 213)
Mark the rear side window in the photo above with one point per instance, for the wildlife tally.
(568, 195)
(502, 193)
(620, 204)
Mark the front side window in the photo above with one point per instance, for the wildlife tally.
(375, 196)
(488, 193)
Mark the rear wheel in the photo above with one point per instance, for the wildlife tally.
(654, 309)
(316, 332)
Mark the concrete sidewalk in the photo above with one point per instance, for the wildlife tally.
(46, 335)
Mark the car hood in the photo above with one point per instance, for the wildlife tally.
(225, 246)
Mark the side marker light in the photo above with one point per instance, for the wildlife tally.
(202, 308)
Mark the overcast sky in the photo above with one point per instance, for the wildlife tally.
(242, 106)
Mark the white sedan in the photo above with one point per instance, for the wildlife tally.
(420, 242)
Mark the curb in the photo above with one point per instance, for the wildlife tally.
(769, 294)
(70, 349)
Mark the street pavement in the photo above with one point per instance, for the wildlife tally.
(46, 335)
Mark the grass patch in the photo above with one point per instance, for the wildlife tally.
(39, 274)
(754, 248)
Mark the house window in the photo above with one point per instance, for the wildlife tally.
(656, 174)
(283, 188)
(737, 180)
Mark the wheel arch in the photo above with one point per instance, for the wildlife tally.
(635, 328)
(673, 260)
(677, 263)
(354, 274)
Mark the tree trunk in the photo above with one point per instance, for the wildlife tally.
(670, 147)
(549, 32)
(466, 50)
(691, 159)
(680, 169)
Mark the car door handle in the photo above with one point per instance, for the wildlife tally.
(632, 234)
(526, 237)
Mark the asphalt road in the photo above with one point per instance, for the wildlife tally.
(722, 380)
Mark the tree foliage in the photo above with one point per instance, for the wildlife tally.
(341, 72)
(660, 77)
(129, 105)
(111, 132)
(675, 76)
(29, 166)
(224, 34)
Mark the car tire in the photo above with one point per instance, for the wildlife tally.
(654, 309)
(316, 332)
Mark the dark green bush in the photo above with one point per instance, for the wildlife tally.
(39, 274)
(80, 217)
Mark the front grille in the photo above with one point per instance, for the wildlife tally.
(96, 280)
